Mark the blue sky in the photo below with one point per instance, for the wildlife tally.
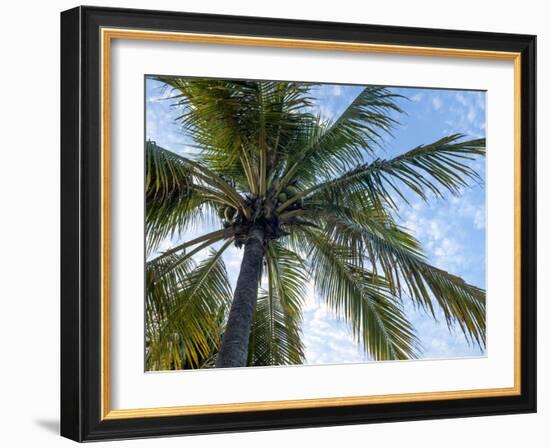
(451, 230)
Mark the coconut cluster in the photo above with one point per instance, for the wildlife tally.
(262, 214)
(287, 193)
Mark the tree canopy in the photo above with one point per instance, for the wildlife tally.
(325, 200)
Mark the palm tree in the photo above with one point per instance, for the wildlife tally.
(309, 202)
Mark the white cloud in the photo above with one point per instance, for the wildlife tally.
(471, 115)
(461, 98)
(470, 209)
(437, 102)
(327, 113)
(479, 218)
(467, 114)
(326, 339)
(442, 238)
(336, 90)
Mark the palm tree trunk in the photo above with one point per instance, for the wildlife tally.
(234, 348)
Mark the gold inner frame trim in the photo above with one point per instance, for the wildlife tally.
(107, 35)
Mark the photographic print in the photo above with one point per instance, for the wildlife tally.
(291, 223)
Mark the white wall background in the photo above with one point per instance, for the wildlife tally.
(29, 236)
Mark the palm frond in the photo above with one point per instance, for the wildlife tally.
(394, 252)
(275, 337)
(239, 127)
(363, 299)
(179, 193)
(185, 311)
(436, 168)
(339, 146)
(200, 243)
(462, 304)
(289, 276)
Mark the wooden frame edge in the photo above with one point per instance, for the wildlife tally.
(107, 34)
(305, 403)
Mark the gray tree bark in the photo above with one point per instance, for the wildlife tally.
(234, 347)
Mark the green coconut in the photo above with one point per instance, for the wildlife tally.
(292, 191)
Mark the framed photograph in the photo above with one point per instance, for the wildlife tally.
(275, 224)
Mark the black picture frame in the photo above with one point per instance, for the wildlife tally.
(81, 224)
